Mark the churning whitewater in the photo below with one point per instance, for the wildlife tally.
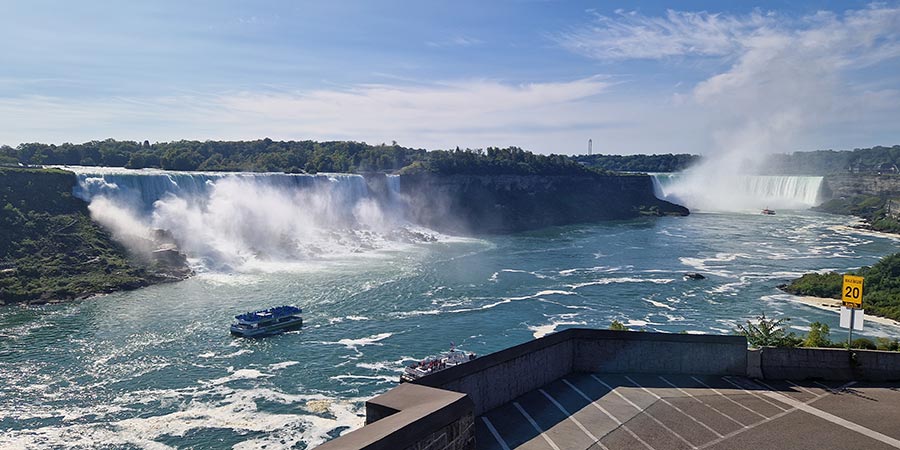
(156, 368)
(706, 191)
(245, 221)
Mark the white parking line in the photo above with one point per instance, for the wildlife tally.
(755, 394)
(645, 412)
(727, 397)
(674, 407)
(564, 411)
(702, 402)
(536, 426)
(767, 419)
(614, 419)
(800, 387)
(494, 432)
(836, 420)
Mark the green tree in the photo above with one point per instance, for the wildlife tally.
(817, 336)
(617, 326)
(768, 333)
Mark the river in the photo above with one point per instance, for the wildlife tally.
(156, 367)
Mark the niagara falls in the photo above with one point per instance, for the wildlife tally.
(500, 225)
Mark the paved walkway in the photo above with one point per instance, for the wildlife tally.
(604, 411)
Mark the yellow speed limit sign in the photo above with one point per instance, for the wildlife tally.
(851, 291)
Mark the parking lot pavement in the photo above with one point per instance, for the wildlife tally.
(640, 411)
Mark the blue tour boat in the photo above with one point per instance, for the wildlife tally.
(267, 322)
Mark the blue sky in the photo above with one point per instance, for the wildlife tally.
(636, 77)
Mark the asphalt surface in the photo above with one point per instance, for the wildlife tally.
(605, 411)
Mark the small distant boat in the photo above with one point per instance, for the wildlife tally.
(768, 212)
(429, 366)
(267, 322)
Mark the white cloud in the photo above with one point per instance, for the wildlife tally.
(465, 113)
(457, 41)
(788, 83)
(630, 35)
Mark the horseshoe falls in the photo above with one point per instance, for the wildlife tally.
(738, 193)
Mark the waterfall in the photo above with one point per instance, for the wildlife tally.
(719, 192)
(234, 221)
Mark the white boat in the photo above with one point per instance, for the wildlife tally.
(429, 366)
(267, 322)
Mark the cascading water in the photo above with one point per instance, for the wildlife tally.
(705, 192)
(245, 220)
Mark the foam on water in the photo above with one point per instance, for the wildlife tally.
(157, 367)
(248, 222)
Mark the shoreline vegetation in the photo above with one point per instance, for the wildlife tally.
(881, 293)
(53, 251)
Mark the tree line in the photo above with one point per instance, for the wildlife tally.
(824, 162)
(640, 163)
(266, 155)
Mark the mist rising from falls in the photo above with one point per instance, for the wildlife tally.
(246, 221)
(706, 191)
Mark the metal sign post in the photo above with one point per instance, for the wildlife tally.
(851, 295)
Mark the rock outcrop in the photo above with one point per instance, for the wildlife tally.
(855, 184)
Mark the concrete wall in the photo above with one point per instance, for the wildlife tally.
(522, 369)
(528, 366)
(621, 352)
(415, 418)
(828, 364)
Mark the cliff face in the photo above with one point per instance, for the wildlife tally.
(854, 184)
(508, 203)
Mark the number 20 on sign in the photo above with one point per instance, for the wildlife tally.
(851, 291)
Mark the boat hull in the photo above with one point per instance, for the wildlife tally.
(267, 331)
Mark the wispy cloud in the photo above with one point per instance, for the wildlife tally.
(488, 112)
(787, 81)
(631, 35)
(456, 41)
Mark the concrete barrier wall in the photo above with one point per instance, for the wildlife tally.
(495, 379)
(411, 417)
(607, 351)
(498, 378)
(828, 364)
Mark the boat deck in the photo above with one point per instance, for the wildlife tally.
(604, 411)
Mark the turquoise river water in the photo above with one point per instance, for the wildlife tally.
(156, 367)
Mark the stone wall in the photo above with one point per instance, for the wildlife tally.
(828, 364)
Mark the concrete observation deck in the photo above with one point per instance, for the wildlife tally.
(607, 390)
(660, 412)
